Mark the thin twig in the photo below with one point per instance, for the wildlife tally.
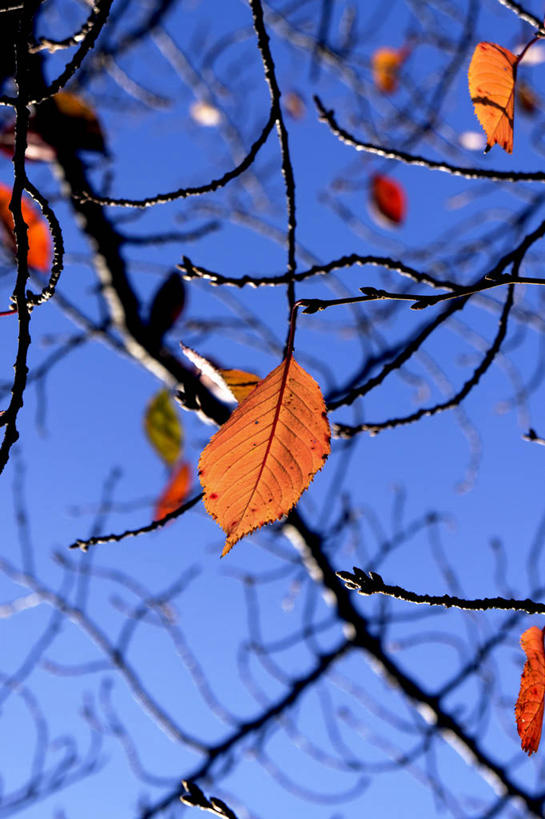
(368, 583)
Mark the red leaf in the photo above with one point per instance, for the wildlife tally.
(175, 492)
(388, 199)
(531, 698)
(39, 239)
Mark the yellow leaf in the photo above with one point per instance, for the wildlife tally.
(163, 427)
(263, 458)
(492, 75)
(240, 382)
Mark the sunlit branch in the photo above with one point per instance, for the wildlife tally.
(150, 527)
(328, 116)
(287, 168)
(371, 583)
(182, 193)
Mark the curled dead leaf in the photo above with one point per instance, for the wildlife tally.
(531, 699)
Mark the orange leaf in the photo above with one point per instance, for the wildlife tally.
(263, 458)
(385, 64)
(388, 197)
(531, 698)
(492, 75)
(175, 492)
(239, 382)
(227, 385)
(39, 239)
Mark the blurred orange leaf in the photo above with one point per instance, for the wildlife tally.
(39, 239)
(263, 458)
(388, 199)
(385, 65)
(531, 698)
(492, 75)
(175, 492)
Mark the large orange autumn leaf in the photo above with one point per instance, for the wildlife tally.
(531, 699)
(492, 75)
(39, 239)
(263, 458)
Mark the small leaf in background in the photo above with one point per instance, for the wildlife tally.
(240, 383)
(472, 140)
(527, 98)
(388, 200)
(492, 74)
(530, 702)
(39, 238)
(163, 427)
(175, 492)
(385, 65)
(80, 122)
(295, 105)
(204, 113)
(167, 305)
(228, 386)
(255, 468)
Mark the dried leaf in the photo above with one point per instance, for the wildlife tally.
(163, 427)
(263, 458)
(227, 385)
(80, 122)
(175, 492)
(531, 699)
(388, 199)
(166, 306)
(492, 75)
(39, 239)
(240, 383)
(385, 65)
